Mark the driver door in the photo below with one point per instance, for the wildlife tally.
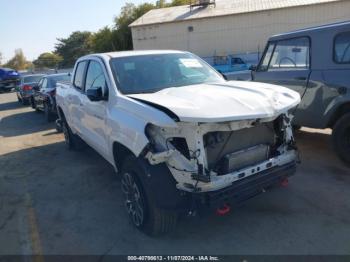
(95, 112)
(286, 63)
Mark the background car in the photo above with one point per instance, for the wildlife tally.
(43, 98)
(315, 62)
(25, 89)
(230, 64)
(9, 79)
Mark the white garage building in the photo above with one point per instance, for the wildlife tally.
(231, 26)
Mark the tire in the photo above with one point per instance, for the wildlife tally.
(58, 125)
(48, 115)
(32, 103)
(72, 141)
(341, 138)
(142, 212)
(296, 128)
(25, 101)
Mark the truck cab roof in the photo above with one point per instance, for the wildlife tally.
(311, 30)
(131, 53)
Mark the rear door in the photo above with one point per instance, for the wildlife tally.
(286, 63)
(75, 98)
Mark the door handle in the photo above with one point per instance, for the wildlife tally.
(300, 78)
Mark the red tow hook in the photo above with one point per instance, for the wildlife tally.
(225, 209)
(284, 182)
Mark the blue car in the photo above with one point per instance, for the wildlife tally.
(9, 79)
(231, 64)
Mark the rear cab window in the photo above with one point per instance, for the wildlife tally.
(289, 54)
(79, 75)
(342, 48)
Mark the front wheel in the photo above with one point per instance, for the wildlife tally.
(143, 213)
(341, 138)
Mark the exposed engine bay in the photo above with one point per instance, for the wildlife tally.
(209, 156)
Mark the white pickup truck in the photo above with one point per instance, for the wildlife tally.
(181, 136)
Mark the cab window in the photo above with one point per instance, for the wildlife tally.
(342, 48)
(95, 77)
(288, 54)
(79, 75)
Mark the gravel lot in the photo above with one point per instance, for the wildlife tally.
(53, 201)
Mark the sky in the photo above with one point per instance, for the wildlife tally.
(34, 25)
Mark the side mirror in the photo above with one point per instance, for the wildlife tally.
(253, 67)
(95, 94)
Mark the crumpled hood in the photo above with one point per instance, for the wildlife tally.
(229, 101)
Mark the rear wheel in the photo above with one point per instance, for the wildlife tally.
(58, 125)
(73, 142)
(142, 212)
(32, 103)
(296, 127)
(341, 138)
(24, 101)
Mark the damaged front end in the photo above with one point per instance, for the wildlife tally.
(209, 157)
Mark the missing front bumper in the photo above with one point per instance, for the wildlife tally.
(246, 188)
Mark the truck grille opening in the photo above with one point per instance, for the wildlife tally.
(231, 151)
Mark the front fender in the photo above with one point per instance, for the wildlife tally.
(333, 107)
(128, 120)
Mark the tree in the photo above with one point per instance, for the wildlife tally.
(47, 60)
(18, 62)
(129, 13)
(106, 39)
(73, 47)
(102, 41)
(161, 4)
(0, 57)
(179, 2)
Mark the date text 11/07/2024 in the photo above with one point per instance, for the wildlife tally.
(173, 258)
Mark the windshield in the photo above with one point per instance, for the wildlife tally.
(32, 79)
(151, 73)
